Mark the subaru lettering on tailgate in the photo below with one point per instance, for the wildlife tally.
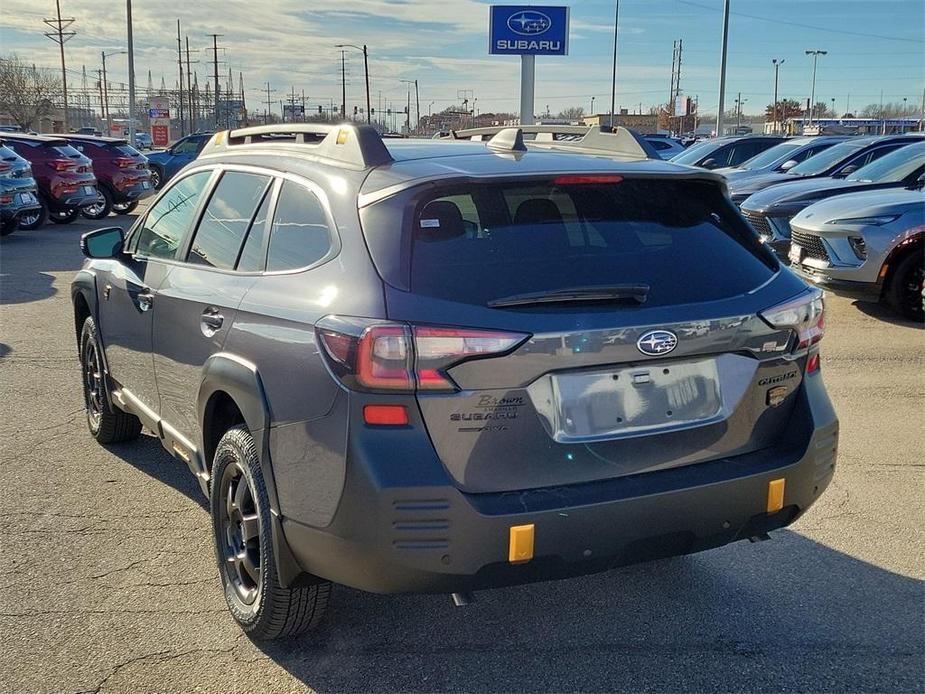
(519, 30)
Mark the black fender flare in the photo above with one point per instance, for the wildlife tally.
(240, 380)
(84, 285)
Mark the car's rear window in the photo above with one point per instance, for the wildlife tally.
(67, 151)
(485, 241)
(125, 150)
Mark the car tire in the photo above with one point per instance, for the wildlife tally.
(34, 221)
(107, 423)
(904, 291)
(101, 209)
(157, 177)
(64, 216)
(124, 207)
(243, 539)
(7, 228)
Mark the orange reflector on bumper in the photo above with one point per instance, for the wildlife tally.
(385, 415)
(520, 549)
(776, 495)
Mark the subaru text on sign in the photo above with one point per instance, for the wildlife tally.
(518, 30)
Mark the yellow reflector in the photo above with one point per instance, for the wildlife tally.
(521, 545)
(342, 136)
(220, 136)
(776, 495)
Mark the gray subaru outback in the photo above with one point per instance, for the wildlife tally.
(418, 366)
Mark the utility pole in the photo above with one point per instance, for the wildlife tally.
(189, 90)
(613, 78)
(180, 68)
(417, 107)
(739, 102)
(99, 73)
(343, 84)
(131, 73)
(215, 61)
(105, 90)
(366, 73)
(812, 95)
(922, 119)
(269, 103)
(61, 37)
(722, 71)
(777, 63)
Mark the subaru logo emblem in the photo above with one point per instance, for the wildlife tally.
(529, 23)
(657, 342)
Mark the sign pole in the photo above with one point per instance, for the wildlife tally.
(527, 84)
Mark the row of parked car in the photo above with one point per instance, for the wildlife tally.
(60, 177)
(847, 213)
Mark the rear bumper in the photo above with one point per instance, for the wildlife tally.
(435, 538)
(12, 210)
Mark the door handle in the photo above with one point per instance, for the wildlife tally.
(145, 300)
(212, 320)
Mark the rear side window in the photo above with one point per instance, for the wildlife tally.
(226, 219)
(251, 259)
(299, 236)
(170, 219)
(678, 237)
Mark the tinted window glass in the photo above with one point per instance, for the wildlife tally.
(695, 152)
(252, 254)
(226, 219)
(889, 166)
(542, 237)
(67, 151)
(171, 217)
(300, 235)
(769, 156)
(188, 146)
(829, 158)
(126, 150)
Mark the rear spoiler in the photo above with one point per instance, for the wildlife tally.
(618, 142)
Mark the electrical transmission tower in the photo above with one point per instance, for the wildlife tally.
(58, 25)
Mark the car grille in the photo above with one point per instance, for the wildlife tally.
(759, 222)
(810, 243)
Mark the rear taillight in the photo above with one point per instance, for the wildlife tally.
(394, 357)
(6, 199)
(124, 162)
(585, 179)
(62, 164)
(805, 315)
(6, 170)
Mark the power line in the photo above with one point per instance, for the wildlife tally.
(846, 32)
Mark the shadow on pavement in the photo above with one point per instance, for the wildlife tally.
(147, 455)
(885, 314)
(784, 615)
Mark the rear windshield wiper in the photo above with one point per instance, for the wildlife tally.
(616, 292)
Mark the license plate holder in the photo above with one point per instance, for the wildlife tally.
(88, 190)
(26, 198)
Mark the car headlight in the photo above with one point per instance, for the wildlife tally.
(873, 221)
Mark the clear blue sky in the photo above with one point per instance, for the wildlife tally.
(871, 44)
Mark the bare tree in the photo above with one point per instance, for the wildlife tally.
(26, 93)
(572, 113)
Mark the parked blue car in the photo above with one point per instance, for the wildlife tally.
(166, 163)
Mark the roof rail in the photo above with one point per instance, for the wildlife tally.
(347, 144)
(622, 143)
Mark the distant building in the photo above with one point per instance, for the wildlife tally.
(848, 126)
(646, 123)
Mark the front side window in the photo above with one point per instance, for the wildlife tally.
(170, 219)
(299, 236)
(226, 219)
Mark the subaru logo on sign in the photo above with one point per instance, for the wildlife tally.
(529, 23)
(657, 342)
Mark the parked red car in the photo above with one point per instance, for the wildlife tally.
(122, 173)
(65, 177)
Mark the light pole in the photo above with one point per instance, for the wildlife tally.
(739, 102)
(777, 63)
(613, 77)
(365, 71)
(131, 73)
(106, 91)
(834, 112)
(429, 107)
(812, 95)
(592, 107)
(722, 71)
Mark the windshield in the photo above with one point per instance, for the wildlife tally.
(828, 158)
(770, 156)
(892, 167)
(481, 242)
(696, 152)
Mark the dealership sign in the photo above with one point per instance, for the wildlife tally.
(528, 30)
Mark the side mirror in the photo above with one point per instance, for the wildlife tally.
(789, 164)
(847, 171)
(103, 243)
(709, 163)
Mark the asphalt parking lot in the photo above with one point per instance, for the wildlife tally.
(109, 581)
